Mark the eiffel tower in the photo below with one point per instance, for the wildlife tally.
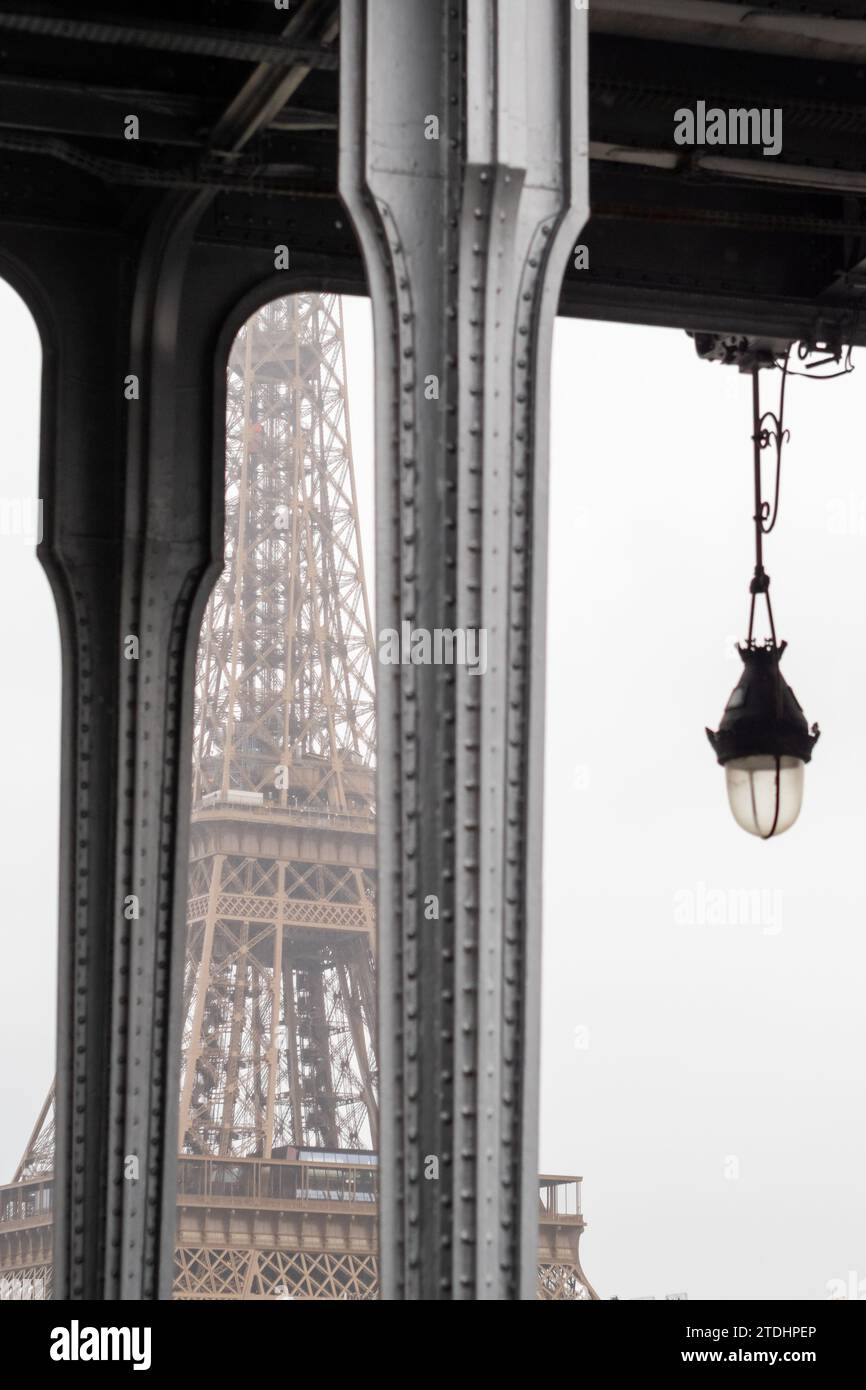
(279, 997)
(277, 1176)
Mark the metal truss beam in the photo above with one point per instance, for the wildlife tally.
(696, 310)
(464, 167)
(721, 24)
(274, 50)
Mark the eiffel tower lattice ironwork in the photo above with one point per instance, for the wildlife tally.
(277, 1175)
(279, 993)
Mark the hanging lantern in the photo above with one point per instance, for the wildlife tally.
(764, 741)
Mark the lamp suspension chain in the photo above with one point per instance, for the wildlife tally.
(766, 427)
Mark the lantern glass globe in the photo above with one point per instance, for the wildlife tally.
(765, 792)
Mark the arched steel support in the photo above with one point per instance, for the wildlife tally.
(135, 339)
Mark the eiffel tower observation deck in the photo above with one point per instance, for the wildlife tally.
(278, 1125)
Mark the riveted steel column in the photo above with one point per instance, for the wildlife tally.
(132, 476)
(169, 548)
(129, 477)
(136, 335)
(463, 164)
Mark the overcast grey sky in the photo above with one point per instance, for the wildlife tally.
(712, 1049)
(706, 1080)
(30, 758)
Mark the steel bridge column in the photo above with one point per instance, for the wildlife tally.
(129, 479)
(132, 481)
(463, 164)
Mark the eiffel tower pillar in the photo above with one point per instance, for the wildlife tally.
(464, 167)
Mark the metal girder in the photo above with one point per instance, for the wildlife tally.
(208, 173)
(88, 109)
(276, 50)
(673, 223)
(465, 227)
(695, 162)
(75, 108)
(696, 310)
(721, 24)
(269, 88)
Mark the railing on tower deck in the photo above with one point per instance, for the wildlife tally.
(560, 1199)
(27, 1203)
(277, 1181)
(363, 821)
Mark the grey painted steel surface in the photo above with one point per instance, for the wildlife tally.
(465, 239)
(133, 498)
